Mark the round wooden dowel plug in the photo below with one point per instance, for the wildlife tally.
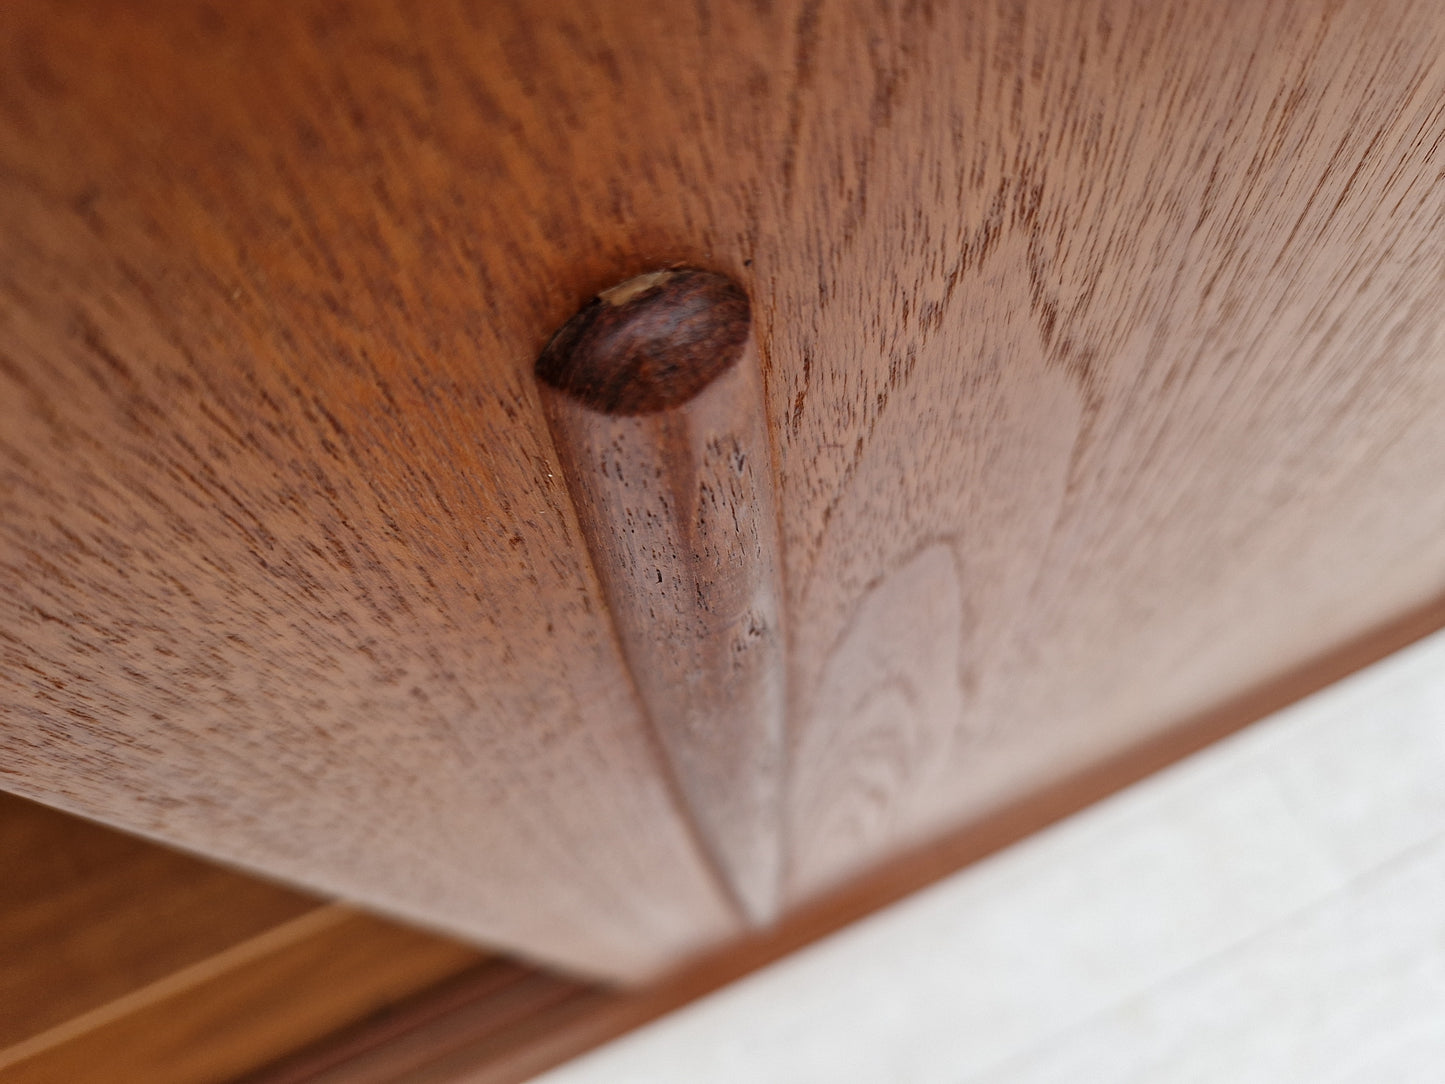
(654, 398)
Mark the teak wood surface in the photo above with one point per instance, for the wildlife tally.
(1104, 369)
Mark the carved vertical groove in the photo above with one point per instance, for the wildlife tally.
(654, 398)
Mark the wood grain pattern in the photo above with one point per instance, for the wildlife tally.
(1129, 314)
(1161, 370)
(289, 576)
(655, 403)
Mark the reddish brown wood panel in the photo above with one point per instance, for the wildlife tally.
(289, 575)
(1121, 392)
(1103, 354)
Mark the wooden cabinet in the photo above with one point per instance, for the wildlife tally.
(1104, 359)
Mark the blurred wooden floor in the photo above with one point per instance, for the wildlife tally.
(121, 960)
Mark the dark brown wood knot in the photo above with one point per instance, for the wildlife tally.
(650, 343)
